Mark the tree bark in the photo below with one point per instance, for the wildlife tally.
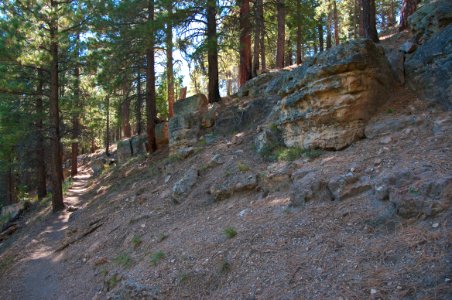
(151, 112)
(257, 33)
(125, 111)
(369, 21)
(281, 16)
(320, 31)
(76, 114)
(408, 8)
(40, 154)
(336, 23)
(288, 60)
(139, 103)
(212, 52)
(55, 161)
(328, 26)
(262, 34)
(169, 58)
(299, 56)
(107, 133)
(245, 42)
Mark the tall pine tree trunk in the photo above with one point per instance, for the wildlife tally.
(369, 22)
(256, 50)
(151, 108)
(262, 34)
(107, 133)
(212, 52)
(40, 154)
(328, 27)
(139, 103)
(299, 56)
(169, 58)
(55, 161)
(408, 8)
(125, 112)
(245, 42)
(288, 60)
(76, 114)
(336, 23)
(281, 16)
(320, 31)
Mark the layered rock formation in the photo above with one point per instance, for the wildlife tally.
(429, 67)
(191, 115)
(328, 101)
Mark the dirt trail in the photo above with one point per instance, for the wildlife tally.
(40, 272)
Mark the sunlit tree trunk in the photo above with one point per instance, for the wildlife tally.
(408, 8)
(245, 42)
(75, 113)
(262, 33)
(369, 22)
(55, 161)
(257, 33)
(336, 23)
(212, 52)
(151, 108)
(281, 16)
(169, 58)
(299, 56)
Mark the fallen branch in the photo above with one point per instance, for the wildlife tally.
(93, 226)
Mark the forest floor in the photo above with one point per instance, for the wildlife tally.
(129, 240)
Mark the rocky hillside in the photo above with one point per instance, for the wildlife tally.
(328, 180)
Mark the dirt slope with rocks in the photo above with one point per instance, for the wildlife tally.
(369, 221)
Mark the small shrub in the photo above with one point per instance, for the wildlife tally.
(390, 111)
(136, 241)
(156, 257)
(289, 154)
(175, 157)
(123, 260)
(230, 232)
(243, 167)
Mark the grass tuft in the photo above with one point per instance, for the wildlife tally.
(230, 232)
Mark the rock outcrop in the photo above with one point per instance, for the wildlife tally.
(191, 115)
(429, 68)
(329, 99)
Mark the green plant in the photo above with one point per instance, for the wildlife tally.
(112, 281)
(243, 167)
(390, 111)
(156, 257)
(104, 272)
(67, 185)
(162, 237)
(312, 153)
(124, 260)
(136, 241)
(230, 232)
(289, 154)
(413, 191)
(183, 277)
(175, 157)
(225, 267)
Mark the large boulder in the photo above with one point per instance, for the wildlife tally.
(330, 98)
(124, 151)
(191, 115)
(429, 68)
(196, 103)
(161, 134)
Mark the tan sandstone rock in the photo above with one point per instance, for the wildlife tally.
(330, 99)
